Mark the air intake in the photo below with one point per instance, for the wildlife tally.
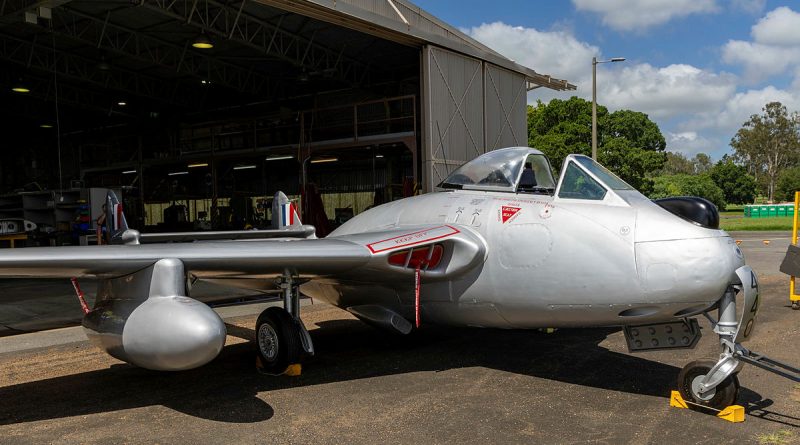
(697, 210)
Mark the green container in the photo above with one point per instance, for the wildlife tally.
(790, 210)
(754, 211)
(773, 211)
(747, 211)
(764, 211)
(781, 210)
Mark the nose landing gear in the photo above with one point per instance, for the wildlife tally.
(714, 384)
(689, 384)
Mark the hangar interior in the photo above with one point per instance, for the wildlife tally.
(197, 111)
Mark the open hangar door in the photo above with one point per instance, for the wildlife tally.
(470, 107)
(206, 106)
(200, 110)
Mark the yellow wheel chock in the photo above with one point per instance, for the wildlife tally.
(733, 413)
(293, 370)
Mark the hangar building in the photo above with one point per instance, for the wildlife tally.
(199, 110)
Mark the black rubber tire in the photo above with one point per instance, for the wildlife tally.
(725, 394)
(289, 347)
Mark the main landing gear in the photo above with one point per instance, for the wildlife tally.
(281, 338)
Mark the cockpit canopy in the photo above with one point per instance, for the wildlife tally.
(516, 169)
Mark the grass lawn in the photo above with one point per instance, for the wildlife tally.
(739, 222)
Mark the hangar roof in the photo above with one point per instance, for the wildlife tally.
(402, 21)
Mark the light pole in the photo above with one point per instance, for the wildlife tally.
(594, 99)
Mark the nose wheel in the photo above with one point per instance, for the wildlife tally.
(689, 384)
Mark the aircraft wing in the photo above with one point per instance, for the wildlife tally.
(381, 256)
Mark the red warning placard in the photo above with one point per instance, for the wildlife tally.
(508, 212)
(413, 238)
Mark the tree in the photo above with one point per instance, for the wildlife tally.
(788, 183)
(701, 163)
(562, 127)
(737, 186)
(768, 143)
(629, 143)
(688, 185)
(677, 163)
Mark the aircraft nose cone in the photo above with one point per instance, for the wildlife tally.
(698, 269)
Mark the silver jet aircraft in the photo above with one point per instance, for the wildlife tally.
(503, 246)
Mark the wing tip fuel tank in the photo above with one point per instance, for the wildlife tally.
(165, 330)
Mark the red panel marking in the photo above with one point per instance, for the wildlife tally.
(508, 212)
(412, 239)
(118, 219)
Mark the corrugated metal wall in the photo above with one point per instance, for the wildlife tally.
(452, 112)
(505, 96)
(469, 107)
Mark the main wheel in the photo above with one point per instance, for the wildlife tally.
(691, 376)
(277, 341)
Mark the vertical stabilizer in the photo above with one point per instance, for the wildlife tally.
(115, 217)
(284, 212)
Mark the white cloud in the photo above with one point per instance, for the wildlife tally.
(780, 26)
(665, 92)
(690, 143)
(660, 92)
(760, 61)
(742, 105)
(774, 50)
(557, 53)
(637, 15)
(750, 6)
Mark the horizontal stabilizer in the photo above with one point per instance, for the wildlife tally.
(301, 231)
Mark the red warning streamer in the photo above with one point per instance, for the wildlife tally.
(416, 294)
(78, 291)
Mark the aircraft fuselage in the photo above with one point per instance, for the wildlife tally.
(553, 262)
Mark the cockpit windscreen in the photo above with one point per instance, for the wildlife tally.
(603, 174)
(494, 169)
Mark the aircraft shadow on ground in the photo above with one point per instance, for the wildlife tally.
(227, 389)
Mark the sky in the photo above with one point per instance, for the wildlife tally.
(698, 68)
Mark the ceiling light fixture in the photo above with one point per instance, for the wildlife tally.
(129, 172)
(279, 158)
(202, 164)
(202, 42)
(122, 103)
(177, 173)
(45, 126)
(244, 167)
(103, 65)
(321, 160)
(20, 87)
